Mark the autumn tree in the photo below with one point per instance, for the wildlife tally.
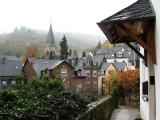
(106, 46)
(114, 84)
(31, 51)
(64, 48)
(130, 80)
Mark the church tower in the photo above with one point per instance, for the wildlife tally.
(50, 46)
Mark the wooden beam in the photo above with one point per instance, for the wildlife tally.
(135, 38)
(117, 40)
(135, 50)
(152, 41)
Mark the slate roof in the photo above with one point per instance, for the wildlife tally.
(133, 56)
(137, 11)
(50, 38)
(83, 72)
(56, 64)
(9, 57)
(97, 59)
(42, 64)
(120, 65)
(105, 66)
(108, 51)
(12, 67)
(126, 54)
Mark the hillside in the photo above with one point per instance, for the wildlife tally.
(14, 43)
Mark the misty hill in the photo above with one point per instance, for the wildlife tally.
(14, 43)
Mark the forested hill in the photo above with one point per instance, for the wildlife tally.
(14, 43)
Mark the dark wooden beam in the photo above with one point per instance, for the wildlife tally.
(135, 50)
(152, 41)
(135, 38)
(117, 40)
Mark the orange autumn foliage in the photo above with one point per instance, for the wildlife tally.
(130, 80)
(31, 51)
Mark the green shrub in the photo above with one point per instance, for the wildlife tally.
(42, 98)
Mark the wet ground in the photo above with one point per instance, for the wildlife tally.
(125, 113)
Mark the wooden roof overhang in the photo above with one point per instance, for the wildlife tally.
(132, 24)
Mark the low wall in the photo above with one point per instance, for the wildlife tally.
(132, 100)
(101, 109)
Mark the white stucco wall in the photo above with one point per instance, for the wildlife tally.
(144, 106)
(156, 5)
(151, 110)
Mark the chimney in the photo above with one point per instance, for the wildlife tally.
(33, 60)
(4, 60)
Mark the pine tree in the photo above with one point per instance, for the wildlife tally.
(99, 45)
(70, 52)
(64, 48)
(83, 54)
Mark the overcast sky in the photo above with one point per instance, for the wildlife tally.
(67, 15)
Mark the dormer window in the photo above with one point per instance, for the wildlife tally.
(120, 71)
(79, 72)
(119, 55)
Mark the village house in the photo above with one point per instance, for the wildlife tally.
(139, 23)
(10, 69)
(120, 54)
(103, 74)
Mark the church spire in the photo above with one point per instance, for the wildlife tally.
(50, 38)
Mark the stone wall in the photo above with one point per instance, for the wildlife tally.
(101, 109)
(132, 100)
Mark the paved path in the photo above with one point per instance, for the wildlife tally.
(125, 113)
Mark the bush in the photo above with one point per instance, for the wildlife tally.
(130, 80)
(41, 98)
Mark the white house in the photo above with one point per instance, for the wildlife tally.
(150, 110)
(140, 23)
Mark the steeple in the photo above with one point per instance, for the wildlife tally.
(50, 46)
(50, 38)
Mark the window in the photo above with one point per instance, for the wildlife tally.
(95, 84)
(94, 73)
(87, 84)
(63, 73)
(120, 71)
(88, 73)
(4, 82)
(13, 82)
(119, 55)
(79, 85)
(102, 72)
(79, 72)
